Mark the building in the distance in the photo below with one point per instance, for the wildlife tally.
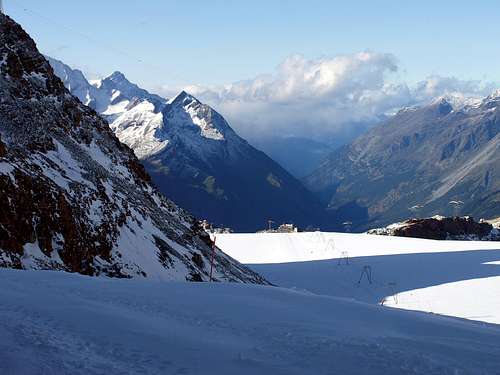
(209, 228)
(283, 228)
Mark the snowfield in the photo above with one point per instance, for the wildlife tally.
(60, 323)
(479, 299)
(261, 248)
(457, 278)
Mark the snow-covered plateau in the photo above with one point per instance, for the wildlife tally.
(331, 313)
(457, 278)
(61, 323)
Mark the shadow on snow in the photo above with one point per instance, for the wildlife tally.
(390, 274)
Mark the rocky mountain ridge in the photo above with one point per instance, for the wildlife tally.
(198, 160)
(73, 197)
(430, 160)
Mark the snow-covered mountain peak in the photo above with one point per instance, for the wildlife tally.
(147, 122)
(118, 81)
(441, 101)
(495, 94)
(442, 105)
(140, 128)
(75, 82)
(479, 105)
(118, 92)
(185, 111)
(95, 82)
(493, 98)
(183, 98)
(118, 77)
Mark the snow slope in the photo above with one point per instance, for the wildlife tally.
(459, 278)
(261, 248)
(478, 299)
(52, 322)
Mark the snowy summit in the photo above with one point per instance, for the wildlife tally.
(196, 158)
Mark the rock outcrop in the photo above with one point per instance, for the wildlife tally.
(442, 228)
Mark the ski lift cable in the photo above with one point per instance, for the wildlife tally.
(385, 286)
(105, 45)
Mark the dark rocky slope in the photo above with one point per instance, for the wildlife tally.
(72, 197)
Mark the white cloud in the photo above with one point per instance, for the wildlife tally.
(455, 90)
(325, 97)
(435, 86)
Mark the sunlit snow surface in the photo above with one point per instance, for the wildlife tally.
(458, 278)
(138, 128)
(59, 323)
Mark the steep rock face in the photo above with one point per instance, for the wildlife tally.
(199, 161)
(430, 160)
(72, 197)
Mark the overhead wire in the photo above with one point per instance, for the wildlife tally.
(110, 48)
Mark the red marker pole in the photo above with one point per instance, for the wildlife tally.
(212, 259)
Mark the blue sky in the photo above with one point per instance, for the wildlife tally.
(216, 42)
(315, 69)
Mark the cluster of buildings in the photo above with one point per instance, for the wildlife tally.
(209, 228)
(283, 228)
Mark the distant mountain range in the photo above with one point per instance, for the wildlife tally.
(434, 159)
(73, 198)
(196, 158)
